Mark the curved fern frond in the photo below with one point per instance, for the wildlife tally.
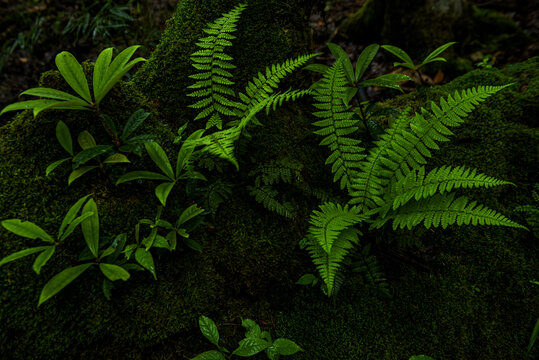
(444, 210)
(220, 143)
(337, 122)
(407, 148)
(266, 195)
(212, 87)
(368, 266)
(416, 185)
(262, 86)
(288, 95)
(331, 221)
(328, 263)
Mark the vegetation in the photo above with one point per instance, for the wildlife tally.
(199, 236)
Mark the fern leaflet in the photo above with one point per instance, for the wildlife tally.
(265, 195)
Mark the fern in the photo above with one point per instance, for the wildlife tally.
(288, 95)
(329, 262)
(266, 195)
(416, 185)
(390, 183)
(216, 193)
(369, 267)
(405, 145)
(337, 122)
(213, 81)
(444, 210)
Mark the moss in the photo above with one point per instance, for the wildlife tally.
(477, 301)
(268, 31)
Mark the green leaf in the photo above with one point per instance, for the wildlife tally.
(22, 253)
(86, 140)
(26, 229)
(75, 174)
(42, 258)
(137, 175)
(71, 214)
(388, 80)
(72, 72)
(188, 214)
(114, 272)
(184, 155)
(365, 59)
(60, 281)
(192, 244)
(172, 240)
(321, 68)
(338, 52)
(253, 330)
(307, 279)
(209, 329)
(210, 355)
(251, 346)
(145, 259)
(64, 137)
(54, 94)
(433, 55)
(110, 123)
(100, 71)
(534, 335)
(116, 158)
(134, 122)
(74, 225)
(398, 52)
(90, 227)
(162, 191)
(420, 357)
(86, 155)
(37, 105)
(54, 165)
(160, 158)
(117, 69)
(286, 347)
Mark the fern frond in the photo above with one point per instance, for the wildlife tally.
(444, 210)
(288, 95)
(337, 122)
(332, 220)
(404, 148)
(416, 185)
(328, 263)
(368, 266)
(215, 194)
(284, 169)
(262, 86)
(213, 80)
(266, 195)
(220, 143)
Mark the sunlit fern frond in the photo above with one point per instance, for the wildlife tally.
(212, 88)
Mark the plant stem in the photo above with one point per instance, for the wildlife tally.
(363, 117)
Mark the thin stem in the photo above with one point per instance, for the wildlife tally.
(363, 117)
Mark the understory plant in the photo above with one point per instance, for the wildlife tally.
(387, 180)
(255, 342)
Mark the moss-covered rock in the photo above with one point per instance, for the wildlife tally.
(269, 31)
(477, 301)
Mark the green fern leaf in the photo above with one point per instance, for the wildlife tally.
(213, 80)
(337, 121)
(445, 210)
(266, 195)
